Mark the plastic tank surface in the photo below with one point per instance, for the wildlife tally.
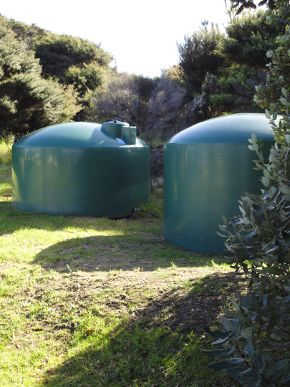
(207, 168)
(81, 168)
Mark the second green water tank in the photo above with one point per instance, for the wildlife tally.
(207, 168)
(81, 168)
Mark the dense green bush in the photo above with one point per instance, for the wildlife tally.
(28, 101)
(199, 54)
(15, 58)
(57, 53)
(70, 61)
(249, 37)
(234, 64)
(74, 61)
(234, 90)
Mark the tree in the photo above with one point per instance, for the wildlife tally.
(118, 99)
(165, 109)
(57, 53)
(249, 37)
(27, 101)
(14, 56)
(85, 78)
(241, 5)
(74, 61)
(154, 106)
(29, 34)
(200, 54)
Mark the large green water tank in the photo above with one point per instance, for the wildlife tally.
(207, 168)
(81, 168)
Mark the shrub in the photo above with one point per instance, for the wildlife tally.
(27, 101)
(254, 345)
(255, 342)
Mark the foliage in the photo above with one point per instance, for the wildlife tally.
(214, 76)
(74, 61)
(221, 75)
(165, 108)
(154, 106)
(67, 59)
(249, 37)
(255, 346)
(246, 4)
(118, 99)
(85, 78)
(29, 34)
(57, 53)
(198, 55)
(234, 89)
(174, 73)
(269, 96)
(27, 101)
(14, 56)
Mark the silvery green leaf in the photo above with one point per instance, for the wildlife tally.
(265, 181)
(221, 340)
(284, 92)
(284, 101)
(219, 352)
(269, 53)
(229, 363)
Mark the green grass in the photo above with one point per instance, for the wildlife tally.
(98, 302)
(5, 149)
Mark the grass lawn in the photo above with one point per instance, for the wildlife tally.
(98, 302)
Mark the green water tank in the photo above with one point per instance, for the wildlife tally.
(207, 168)
(81, 168)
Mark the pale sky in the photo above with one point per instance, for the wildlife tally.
(140, 34)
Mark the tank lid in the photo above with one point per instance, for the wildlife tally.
(83, 135)
(234, 128)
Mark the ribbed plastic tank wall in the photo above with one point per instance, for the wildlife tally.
(207, 168)
(81, 169)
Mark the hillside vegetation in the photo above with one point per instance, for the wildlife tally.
(47, 78)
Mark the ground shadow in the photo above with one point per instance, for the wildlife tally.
(127, 252)
(12, 219)
(158, 346)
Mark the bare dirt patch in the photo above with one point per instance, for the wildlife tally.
(180, 298)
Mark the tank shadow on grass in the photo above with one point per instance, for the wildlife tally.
(159, 346)
(13, 220)
(126, 252)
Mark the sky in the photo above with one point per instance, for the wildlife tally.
(142, 35)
